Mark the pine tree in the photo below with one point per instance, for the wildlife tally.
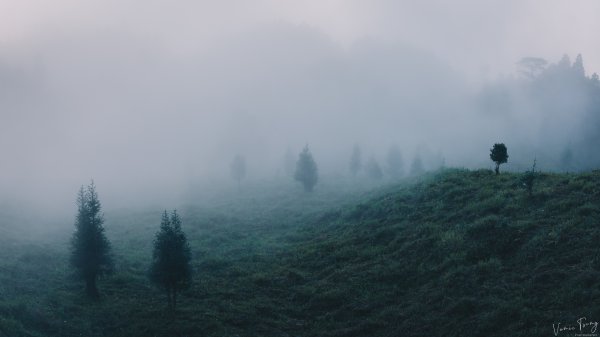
(171, 268)
(355, 160)
(499, 155)
(578, 66)
(306, 170)
(90, 249)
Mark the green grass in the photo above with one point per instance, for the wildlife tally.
(456, 253)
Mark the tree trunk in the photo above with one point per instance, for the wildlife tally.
(90, 287)
(497, 168)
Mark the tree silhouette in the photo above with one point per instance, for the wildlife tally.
(170, 268)
(499, 155)
(90, 249)
(578, 66)
(306, 170)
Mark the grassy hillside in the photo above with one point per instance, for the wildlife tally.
(458, 253)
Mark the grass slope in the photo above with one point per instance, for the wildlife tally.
(458, 253)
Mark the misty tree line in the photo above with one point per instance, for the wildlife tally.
(394, 164)
(170, 267)
(304, 169)
(567, 102)
(566, 138)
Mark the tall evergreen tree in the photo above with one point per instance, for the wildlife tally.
(355, 160)
(171, 268)
(306, 170)
(90, 249)
(578, 66)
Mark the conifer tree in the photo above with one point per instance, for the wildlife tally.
(578, 66)
(90, 249)
(306, 170)
(171, 268)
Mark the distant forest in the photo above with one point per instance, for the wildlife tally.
(567, 137)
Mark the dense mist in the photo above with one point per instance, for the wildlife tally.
(299, 168)
(149, 98)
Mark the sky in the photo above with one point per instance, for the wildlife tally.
(146, 97)
(482, 37)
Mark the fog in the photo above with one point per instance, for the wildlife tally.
(149, 98)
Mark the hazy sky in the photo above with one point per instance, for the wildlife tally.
(484, 37)
(143, 95)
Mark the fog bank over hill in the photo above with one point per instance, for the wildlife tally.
(149, 98)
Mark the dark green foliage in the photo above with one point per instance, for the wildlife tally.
(90, 249)
(238, 168)
(499, 155)
(171, 269)
(355, 160)
(528, 179)
(306, 170)
(455, 254)
(395, 163)
(374, 170)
